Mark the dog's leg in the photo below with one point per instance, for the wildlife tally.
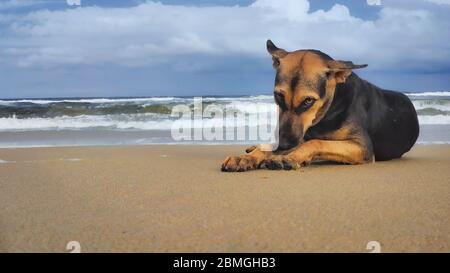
(250, 161)
(344, 151)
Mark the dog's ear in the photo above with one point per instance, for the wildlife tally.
(343, 69)
(277, 53)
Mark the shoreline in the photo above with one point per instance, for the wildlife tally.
(173, 198)
(429, 135)
(437, 143)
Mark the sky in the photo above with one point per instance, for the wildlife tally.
(105, 48)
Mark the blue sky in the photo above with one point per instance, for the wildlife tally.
(205, 47)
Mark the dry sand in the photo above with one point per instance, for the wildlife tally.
(175, 199)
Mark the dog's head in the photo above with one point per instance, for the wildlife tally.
(304, 89)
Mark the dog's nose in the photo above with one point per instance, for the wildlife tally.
(286, 145)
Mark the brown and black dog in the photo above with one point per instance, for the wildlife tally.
(326, 112)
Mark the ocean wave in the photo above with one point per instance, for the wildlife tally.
(154, 113)
(127, 122)
(257, 98)
(70, 109)
(65, 108)
(93, 101)
(80, 122)
(435, 119)
(433, 142)
(443, 105)
(151, 122)
(430, 94)
(432, 107)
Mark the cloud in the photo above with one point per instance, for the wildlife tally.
(446, 2)
(153, 34)
(12, 4)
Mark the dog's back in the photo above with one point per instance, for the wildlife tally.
(393, 125)
(388, 117)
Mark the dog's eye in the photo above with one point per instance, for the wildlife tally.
(308, 102)
(328, 74)
(279, 99)
(305, 105)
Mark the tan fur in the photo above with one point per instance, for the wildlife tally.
(342, 133)
(246, 162)
(308, 117)
(308, 67)
(345, 151)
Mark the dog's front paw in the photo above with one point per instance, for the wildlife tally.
(240, 163)
(279, 162)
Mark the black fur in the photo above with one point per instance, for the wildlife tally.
(277, 79)
(321, 54)
(385, 122)
(294, 82)
(279, 100)
(322, 86)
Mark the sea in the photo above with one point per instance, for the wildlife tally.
(49, 122)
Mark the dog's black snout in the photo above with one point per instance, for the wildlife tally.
(287, 145)
(289, 136)
(287, 142)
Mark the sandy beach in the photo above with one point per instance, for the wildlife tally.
(175, 199)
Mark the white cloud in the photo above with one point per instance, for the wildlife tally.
(447, 2)
(155, 33)
(374, 2)
(11, 4)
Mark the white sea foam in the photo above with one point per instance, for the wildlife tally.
(145, 101)
(256, 98)
(259, 98)
(3, 161)
(441, 105)
(97, 100)
(433, 142)
(130, 122)
(430, 94)
(252, 108)
(79, 122)
(120, 122)
(435, 119)
(432, 111)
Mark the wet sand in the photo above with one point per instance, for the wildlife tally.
(175, 199)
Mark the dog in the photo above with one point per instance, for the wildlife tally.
(327, 112)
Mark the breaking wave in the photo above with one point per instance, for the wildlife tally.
(154, 113)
